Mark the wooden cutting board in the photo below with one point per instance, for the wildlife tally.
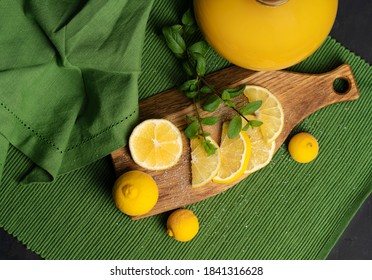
(299, 94)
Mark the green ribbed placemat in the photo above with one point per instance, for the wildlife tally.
(285, 211)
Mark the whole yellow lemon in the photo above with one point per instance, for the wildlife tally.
(303, 147)
(182, 225)
(135, 193)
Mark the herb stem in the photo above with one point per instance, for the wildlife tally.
(218, 94)
(197, 101)
(215, 91)
(198, 118)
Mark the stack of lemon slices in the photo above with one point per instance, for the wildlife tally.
(226, 165)
(250, 151)
(263, 138)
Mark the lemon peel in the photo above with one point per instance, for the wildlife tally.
(182, 225)
(135, 193)
(303, 147)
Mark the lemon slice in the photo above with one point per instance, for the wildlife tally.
(155, 144)
(235, 154)
(262, 151)
(270, 113)
(203, 167)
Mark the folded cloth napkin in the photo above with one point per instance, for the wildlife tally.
(68, 79)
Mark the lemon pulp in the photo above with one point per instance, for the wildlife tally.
(270, 113)
(235, 154)
(156, 144)
(203, 167)
(262, 151)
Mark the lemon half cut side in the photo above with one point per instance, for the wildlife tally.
(156, 144)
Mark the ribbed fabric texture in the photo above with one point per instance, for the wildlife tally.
(284, 211)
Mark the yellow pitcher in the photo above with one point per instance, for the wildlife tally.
(265, 34)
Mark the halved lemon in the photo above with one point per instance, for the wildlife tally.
(270, 113)
(235, 154)
(155, 144)
(262, 151)
(203, 167)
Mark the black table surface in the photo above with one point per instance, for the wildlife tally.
(353, 29)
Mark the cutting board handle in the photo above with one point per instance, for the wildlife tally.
(344, 76)
(324, 82)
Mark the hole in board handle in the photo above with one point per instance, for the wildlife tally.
(341, 85)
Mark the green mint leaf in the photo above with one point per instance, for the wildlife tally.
(211, 104)
(230, 103)
(209, 120)
(189, 23)
(255, 123)
(225, 95)
(188, 18)
(189, 85)
(188, 70)
(206, 90)
(245, 128)
(193, 87)
(190, 29)
(192, 129)
(209, 148)
(235, 92)
(191, 94)
(235, 127)
(174, 39)
(200, 64)
(198, 48)
(251, 107)
(189, 118)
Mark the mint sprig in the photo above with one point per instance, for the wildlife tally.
(197, 88)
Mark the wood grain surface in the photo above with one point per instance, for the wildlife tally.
(299, 94)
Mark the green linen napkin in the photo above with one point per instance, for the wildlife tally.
(284, 211)
(4, 145)
(69, 79)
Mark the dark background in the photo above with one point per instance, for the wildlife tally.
(353, 29)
